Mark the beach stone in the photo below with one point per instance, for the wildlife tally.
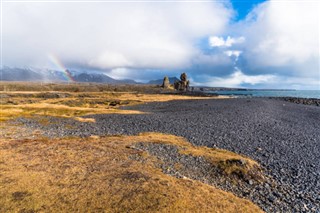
(271, 198)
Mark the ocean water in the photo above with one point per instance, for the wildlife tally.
(272, 93)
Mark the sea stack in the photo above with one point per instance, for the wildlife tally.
(183, 84)
(166, 82)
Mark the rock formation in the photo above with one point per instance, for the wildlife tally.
(166, 82)
(183, 84)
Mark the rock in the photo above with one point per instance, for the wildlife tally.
(183, 84)
(239, 162)
(166, 82)
(306, 101)
(114, 103)
(271, 198)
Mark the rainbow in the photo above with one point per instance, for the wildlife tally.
(55, 60)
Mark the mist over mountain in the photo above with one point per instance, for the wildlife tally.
(100, 78)
(46, 75)
(19, 74)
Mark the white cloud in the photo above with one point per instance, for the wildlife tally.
(216, 41)
(109, 35)
(283, 34)
(110, 59)
(278, 42)
(119, 73)
(212, 60)
(235, 53)
(305, 83)
(237, 78)
(230, 41)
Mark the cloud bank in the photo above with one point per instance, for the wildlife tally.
(237, 78)
(283, 34)
(276, 45)
(110, 35)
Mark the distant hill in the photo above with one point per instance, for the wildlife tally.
(98, 78)
(160, 81)
(38, 75)
(18, 74)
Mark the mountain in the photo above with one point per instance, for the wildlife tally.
(160, 81)
(98, 78)
(46, 75)
(19, 74)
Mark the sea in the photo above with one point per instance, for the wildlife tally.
(270, 93)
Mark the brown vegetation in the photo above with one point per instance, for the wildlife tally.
(73, 104)
(76, 87)
(99, 175)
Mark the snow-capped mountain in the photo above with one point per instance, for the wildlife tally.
(47, 75)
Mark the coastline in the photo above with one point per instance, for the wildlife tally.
(280, 134)
(276, 133)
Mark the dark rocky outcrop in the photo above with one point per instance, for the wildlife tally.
(183, 84)
(305, 101)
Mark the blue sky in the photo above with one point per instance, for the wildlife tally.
(243, 7)
(255, 44)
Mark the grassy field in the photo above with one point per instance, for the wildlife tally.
(62, 100)
(76, 87)
(100, 174)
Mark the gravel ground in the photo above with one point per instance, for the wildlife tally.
(283, 137)
(266, 194)
(306, 101)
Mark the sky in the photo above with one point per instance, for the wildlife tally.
(226, 43)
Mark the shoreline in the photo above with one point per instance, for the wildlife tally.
(276, 133)
(281, 134)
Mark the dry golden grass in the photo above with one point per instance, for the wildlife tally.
(16, 104)
(226, 160)
(98, 175)
(27, 110)
(91, 120)
(75, 87)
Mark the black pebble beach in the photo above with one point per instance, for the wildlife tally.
(284, 137)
